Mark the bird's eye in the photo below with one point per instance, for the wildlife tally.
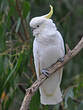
(37, 25)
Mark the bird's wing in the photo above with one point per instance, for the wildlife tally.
(36, 58)
(48, 56)
(60, 41)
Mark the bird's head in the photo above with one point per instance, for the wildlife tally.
(42, 24)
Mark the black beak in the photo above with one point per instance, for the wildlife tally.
(32, 29)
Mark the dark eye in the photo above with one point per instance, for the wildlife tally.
(37, 25)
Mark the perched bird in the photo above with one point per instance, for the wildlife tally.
(48, 48)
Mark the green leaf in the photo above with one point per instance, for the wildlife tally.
(26, 9)
(1, 16)
(12, 8)
(2, 37)
(1, 65)
(35, 102)
(80, 107)
(18, 24)
(10, 99)
(3, 5)
(9, 76)
(69, 94)
(79, 11)
(1, 30)
(19, 62)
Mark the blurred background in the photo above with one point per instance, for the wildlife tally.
(16, 58)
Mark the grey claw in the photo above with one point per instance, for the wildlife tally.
(45, 73)
(60, 59)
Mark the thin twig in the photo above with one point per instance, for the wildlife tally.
(19, 49)
(19, 33)
(22, 88)
(22, 20)
(61, 107)
(64, 18)
(14, 22)
(32, 68)
(30, 92)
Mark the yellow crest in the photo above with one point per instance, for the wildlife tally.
(50, 13)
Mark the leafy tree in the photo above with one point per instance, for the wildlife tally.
(16, 59)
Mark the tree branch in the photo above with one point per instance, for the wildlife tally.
(30, 91)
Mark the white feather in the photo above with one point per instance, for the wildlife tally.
(48, 47)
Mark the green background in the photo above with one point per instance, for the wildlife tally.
(16, 58)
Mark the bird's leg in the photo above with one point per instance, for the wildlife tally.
(59, 60)
(45, 73)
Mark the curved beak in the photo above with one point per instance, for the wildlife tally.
(32, 29)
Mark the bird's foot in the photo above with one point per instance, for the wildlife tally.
(60, 59)
(45, 73)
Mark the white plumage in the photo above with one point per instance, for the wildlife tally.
(48, 47)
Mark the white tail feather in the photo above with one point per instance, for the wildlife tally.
(50, 90)
(51, 100)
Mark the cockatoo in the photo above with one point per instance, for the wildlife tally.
(48, 47)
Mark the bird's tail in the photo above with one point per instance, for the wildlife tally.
(51, 99)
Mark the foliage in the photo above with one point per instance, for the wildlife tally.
(16, 59)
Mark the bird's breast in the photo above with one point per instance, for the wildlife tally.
(49, 54)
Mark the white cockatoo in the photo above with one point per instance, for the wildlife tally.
(48, 47)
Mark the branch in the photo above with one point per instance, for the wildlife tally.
(30, 91)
